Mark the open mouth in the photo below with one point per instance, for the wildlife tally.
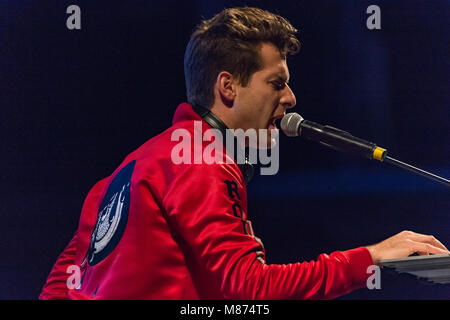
(273, 122)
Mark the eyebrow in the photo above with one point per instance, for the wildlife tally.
(280, 75)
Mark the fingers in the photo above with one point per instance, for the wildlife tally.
(423, 248)
(404, 244)
(417, 237)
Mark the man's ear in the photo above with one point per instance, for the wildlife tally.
(226, 86)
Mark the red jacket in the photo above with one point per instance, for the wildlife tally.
(159, 230)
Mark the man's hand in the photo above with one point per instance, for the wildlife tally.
(404, 244)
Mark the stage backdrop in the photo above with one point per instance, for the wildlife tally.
(75, 102)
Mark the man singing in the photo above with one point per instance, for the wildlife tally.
(156, 229)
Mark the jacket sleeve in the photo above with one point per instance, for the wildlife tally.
(206, 204)
(55, 288)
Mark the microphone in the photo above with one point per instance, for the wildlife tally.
(294, 125)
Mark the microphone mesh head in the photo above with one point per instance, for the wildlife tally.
(290, 123)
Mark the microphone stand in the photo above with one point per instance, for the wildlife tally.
(418, 171)
(294, 125)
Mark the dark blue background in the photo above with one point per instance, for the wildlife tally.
(73, 104)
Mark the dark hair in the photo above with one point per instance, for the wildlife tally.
(231, 41)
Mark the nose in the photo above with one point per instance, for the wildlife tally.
(288, 99)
